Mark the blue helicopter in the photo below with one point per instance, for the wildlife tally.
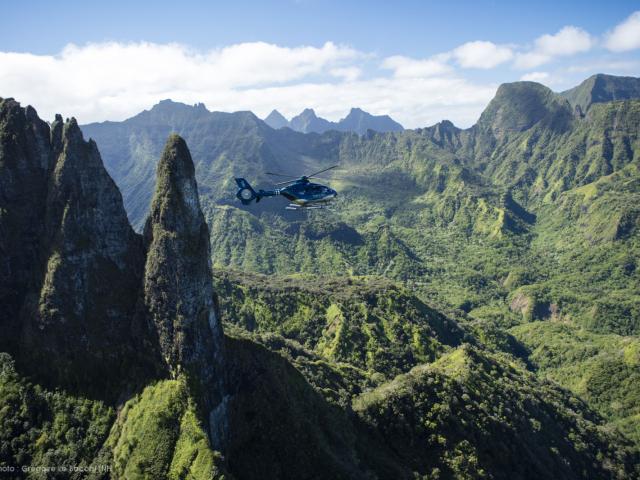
(302, 193)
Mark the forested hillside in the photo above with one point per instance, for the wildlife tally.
(468, 307)
(529, 215)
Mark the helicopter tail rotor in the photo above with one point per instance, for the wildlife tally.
(246, 194)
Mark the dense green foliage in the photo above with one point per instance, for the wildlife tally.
(475, 415)
(367, 322)
(40, 429)
(158, 435)
(470, 414)
(604, 370)
(468, 308)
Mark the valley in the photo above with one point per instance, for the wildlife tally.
(468, 307)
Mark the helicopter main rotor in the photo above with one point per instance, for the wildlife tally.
(302, 179)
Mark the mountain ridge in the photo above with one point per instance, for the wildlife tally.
(357, 120)
(530, 215)
(250, 402)
(601, 88)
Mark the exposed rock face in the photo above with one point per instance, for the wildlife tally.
(73, 266)
(93, 260)
(177, 284)
(82, 306)
(25, 160)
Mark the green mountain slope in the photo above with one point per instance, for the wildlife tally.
(473, 415)
(602, 369)
(318, 376)
(367, 322)
(602, 88)
(469, 216)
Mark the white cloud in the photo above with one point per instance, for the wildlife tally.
(535, 76)
(406, 67)
(531, 60)
(567, 41)
(113, 81)
(481, 54)
(626, 35)
(414, 102)
(349, 74)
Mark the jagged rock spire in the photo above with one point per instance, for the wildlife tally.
(178, 292)
(72, 265)
(92, 271)
(25, 159)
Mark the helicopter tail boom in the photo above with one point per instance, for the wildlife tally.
(246, 194)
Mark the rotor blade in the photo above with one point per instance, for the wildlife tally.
(320, 178)
(280, 175)
(285, 183)
(316, 173)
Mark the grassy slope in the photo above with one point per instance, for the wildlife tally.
(603, 369)
(476, 415)
(367, 322)
(508, 224)
(158, 435)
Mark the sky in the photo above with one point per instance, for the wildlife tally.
(417, 61)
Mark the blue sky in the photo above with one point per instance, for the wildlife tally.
(417, 61)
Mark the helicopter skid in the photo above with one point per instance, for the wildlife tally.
(293, 206)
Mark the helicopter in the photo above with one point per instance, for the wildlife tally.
(302, 193)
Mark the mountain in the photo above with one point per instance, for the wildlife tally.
(178, 294)
(65, 235)
(515, 177)
(276, 120)
(357, 121)
(307, 122)
(216, 374)
(528, 216)
(519, 106)
(602, 88)
(222, 145)
(94, 308)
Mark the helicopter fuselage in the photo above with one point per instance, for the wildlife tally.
(307, 193)
(302, 193)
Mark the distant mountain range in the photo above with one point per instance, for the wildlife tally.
(357, 121)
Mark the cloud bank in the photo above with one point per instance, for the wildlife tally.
(113, 81)
(116, 80)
